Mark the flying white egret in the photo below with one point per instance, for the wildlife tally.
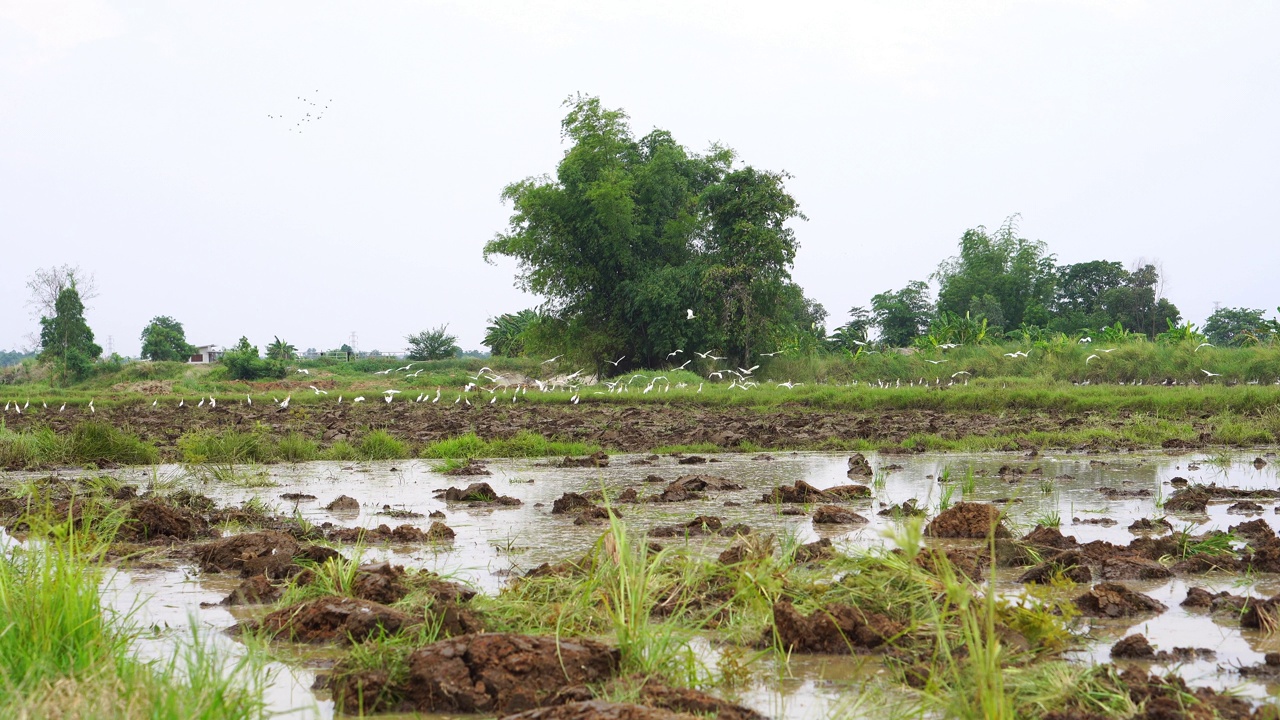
(545, 362)
(285, 404)
(615, 362)
(1091, 357)
(1108, 350)
(690, 314)
(748, 371)
(1086, 339)
(936, 362)
(673, 353)
(317, 390)
(686, 364)
(90, 407)
(962, 372)
(1203, 344)
(1210, 374)
(483, 370)
(716, 374)
(304, 371)
(775, 352)
(788, 384)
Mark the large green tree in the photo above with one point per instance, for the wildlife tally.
(65, 339)
(999, 276)
(164, 339)
(904, 315)
(1238, 326)
(633, 233)
(433, 344)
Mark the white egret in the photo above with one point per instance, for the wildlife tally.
(358, 399)
(775, 352)
(545, 362)
(64, 407)
(248, 399)
(1203, 344)
(673, 353)
(1210, 374)
(90, 407)
(1091, 357)
(285, 404)
(690, 314)
(615, 362)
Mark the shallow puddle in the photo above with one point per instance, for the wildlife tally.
(493, 543)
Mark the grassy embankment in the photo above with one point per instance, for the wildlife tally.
(62, 656)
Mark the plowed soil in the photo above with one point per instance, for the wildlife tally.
(624, 428)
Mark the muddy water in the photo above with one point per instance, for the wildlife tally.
(493, 543)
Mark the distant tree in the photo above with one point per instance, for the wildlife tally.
(632, 233)
(346, 349)
(506, 334)
(65, 338)
(281, 350)
(999, 276)
(13, 357)
(164, 339)
(1237, 326)
(434, 344)
(243, 363)
(1137, 303)
(854, 333)
(46, 286)
(904, 315)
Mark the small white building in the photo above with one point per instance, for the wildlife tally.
(205, 354)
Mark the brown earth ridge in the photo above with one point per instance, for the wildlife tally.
(631, 428)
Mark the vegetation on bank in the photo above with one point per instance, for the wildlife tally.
(63, 656)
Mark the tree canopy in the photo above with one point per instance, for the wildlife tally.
(1000, 276)
(65, 338)
(433, 344)
(633, 233)
(1238, 326)
(164, 339)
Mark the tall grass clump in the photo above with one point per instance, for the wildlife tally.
(62, 656)
(227, 446)
(524, 444)
(381, 445)
(102, 444)
(296, 447)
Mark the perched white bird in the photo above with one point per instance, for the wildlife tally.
(358, 399)
(285, 404)
(493, 399)
(64, 407)
(181, 402)
(304, 371)
(690, 314)
(154, 403)
(387, 398)
(436, 399)
(213, 402)
(201, 403)
(699, 387)
(339, 399)
(1091, 357)
(248, 399)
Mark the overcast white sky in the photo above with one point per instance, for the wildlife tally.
(135, 142)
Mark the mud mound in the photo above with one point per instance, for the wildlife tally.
(408, 534)
(471, 467)
(815, 551)
(343, 503)
(803, 492)
(570, 502)
(1049, 538)
(1116, 600)
(149, 520)
(703, 483)
(1169, 698)
(967, 520)
(256, 590)
(598, 710)
(859, 467)
(695, 702)
(491, 673)
(475, 493)
(1257, 532)
(1245, 507)
(596, 460)
(333, 619)
(267, 553)
(1136, 647)
(1068, 565)
(836, 515)
(907, 508)
(379, 582)
(1198, 597)
(1261, 614)
(1133, 568)
(834, 630)
(1147, 525)
(701, 525)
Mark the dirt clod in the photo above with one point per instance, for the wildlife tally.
(1115, 600)
(343, 503)
(476, 493)
(967, 520)
(859, 467)
(834, 630)
(149, 520)
(836, 515)
(332, 619)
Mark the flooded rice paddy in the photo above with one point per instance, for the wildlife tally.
(496, 543)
